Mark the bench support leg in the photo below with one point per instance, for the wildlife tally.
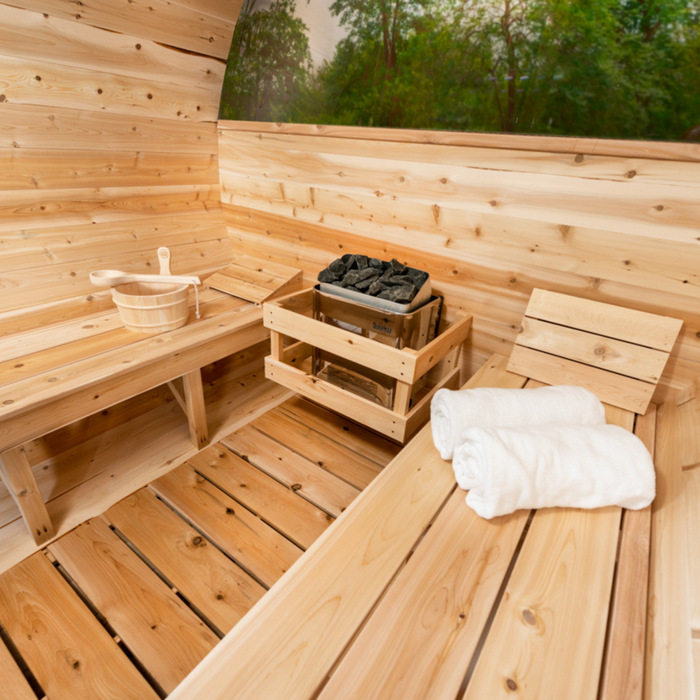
(17, 474)
(195, 410)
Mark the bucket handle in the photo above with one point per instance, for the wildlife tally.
(164, 260)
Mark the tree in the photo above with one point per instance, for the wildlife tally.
(269, 64)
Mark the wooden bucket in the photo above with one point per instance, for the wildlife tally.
(152, 307)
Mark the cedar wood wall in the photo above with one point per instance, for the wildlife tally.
(490, 217)
(109, 149)
(108, 146)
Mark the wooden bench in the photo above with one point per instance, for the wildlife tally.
(59, 373)
(411, 595)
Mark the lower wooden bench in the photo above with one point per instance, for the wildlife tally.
(411, 595)
(58, 374)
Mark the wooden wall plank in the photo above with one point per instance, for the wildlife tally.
(68, 129)
(159, 629)
(158, 20)
(33, 35)
(45, 618)
(28, 80)
(25, 168)
(691, 494)
(614, 147)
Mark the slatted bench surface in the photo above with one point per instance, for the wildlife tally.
(70, 358)
(411, 595)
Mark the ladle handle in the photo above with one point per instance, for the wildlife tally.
(164, 259)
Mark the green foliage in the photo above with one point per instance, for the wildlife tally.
(268, 65)
(601, 68)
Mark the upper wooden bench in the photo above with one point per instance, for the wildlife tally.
(57, 374)
(411, 595)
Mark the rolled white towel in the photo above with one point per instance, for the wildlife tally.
(506, 469)
(452, 412)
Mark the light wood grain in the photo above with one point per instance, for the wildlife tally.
(276, 504)
(46, 619)
(207, 578)
(157, 20)
(420, 639)
(249, 541)
(631, 394)
(314, 483)
(19, 480)
(352, 467)
(623, 664)
(668, 669)
(592, 349)
(626, 324)
(14, 683)
(196, 409)
(163, 633)
(340, 430)
(691, 494)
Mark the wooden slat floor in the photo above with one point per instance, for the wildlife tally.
(126, 604)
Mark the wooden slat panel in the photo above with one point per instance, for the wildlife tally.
(247, 539)
(33, 168)
(157, 20)
(592, 349)
(615, 322)
(351, 467)
(615, 147)
(419, 641)
(84, 130)
(668, 669)
(623, 664)
(318, 486)
(238, 288)
(347, 570)
(47, 209)
(14, 684)
(47, 620)
(161, 631)
(276, 504)
(104, 90)
(630, 394)
(206, 577)
(691, 492)
(33, 35)
(689, 420)
(341, 430)
(544, 640)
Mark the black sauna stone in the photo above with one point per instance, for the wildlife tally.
(376, 287)
(362, 261)
(337, 267)
(418, 276)
(376, 263)
(401, 280)
(366, 273)
(397, 267)
(351, 278)
(327, 276)
(401, 295)
(364, 284)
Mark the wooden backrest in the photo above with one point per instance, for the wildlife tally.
(617, 353)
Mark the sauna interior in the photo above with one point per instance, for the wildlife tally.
(193, 514)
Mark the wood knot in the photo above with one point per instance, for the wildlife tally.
(579, 158)
(296, 487)
(197, 541)
(511, 684)
(529, 617)
(599, 351)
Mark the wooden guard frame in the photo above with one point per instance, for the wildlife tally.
(289, 317)
(617, 353)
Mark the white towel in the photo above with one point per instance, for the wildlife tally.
(543, 466)
(452, 412)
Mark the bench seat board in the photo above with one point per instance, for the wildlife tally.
(13, 681)
(316, 609)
